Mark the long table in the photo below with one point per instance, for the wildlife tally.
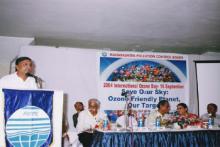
(163, 138)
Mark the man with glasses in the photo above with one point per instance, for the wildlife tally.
(87, 121)
(163, 110)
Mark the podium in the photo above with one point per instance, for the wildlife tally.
(29, 124)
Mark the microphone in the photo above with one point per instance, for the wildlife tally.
(38, 80)
(31, 75)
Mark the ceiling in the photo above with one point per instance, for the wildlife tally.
(182, 26)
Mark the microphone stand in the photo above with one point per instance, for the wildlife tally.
(39, 82)
(128, 100)
(125, 94)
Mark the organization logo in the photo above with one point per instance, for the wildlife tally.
(104, 54)
(28, 127)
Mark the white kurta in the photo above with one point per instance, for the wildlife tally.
(13, 81)
(205, 117)
(87, 121)
(152, 118)
(122, 121)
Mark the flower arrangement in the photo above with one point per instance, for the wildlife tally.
(184, 121)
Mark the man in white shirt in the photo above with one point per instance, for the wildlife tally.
(212, 109)
(128, 120)
(20, 79)
(87, 121)
(163, 110)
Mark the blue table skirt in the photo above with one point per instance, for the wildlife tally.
(201, 138)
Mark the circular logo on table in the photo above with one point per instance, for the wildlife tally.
(28, 127)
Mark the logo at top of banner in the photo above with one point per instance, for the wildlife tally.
(29, 126)
(104, 54)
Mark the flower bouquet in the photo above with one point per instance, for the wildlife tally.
(184, 121)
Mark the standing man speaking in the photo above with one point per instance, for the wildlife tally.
(21, 79)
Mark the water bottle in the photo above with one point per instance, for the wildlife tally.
(105, 124)
(210, 121)
(140, 120)
(158, 122)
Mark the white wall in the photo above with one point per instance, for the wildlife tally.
(9, 49)
(72, 70)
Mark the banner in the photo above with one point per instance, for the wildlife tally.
(28, 118)
(147, 78)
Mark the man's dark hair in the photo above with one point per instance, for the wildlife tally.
(20, 59)
(162, 103)
(78, 103)
(213, 105)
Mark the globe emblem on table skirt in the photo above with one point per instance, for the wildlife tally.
(28, 127)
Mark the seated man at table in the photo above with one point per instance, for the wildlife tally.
(124, 122)
(163, 110)
(212, 110)
(87, 121)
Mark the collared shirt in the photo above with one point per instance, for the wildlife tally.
(87, 121)
(13, 81)
(152, 118)
(122, 121)
(205, 117)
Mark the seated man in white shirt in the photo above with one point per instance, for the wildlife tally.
(127, 121)
(163, 110)
(87, 121)
(20, 79)
(212, 110)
